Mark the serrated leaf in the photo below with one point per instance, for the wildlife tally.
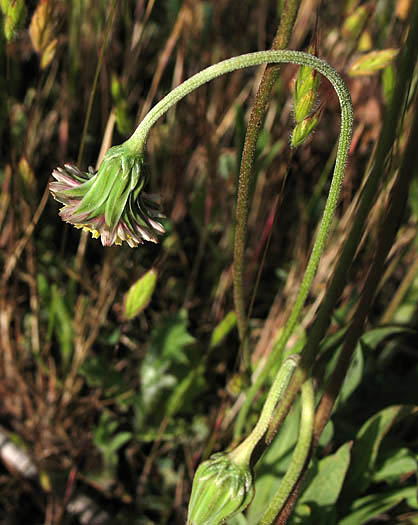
(139, 294)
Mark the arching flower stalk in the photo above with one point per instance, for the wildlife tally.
(112, 204)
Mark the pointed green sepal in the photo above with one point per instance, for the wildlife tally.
(221, 489)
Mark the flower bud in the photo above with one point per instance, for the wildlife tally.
(221, 489)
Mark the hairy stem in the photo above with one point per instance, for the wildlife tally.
(137, 141)
(255, 121)
(299, 456)
(242, 454)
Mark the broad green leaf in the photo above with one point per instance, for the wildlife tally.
(160, 369)
(139, 294)
(223, 329)
(365, 509)
(323, 489)
(366, 448)
(154, 379)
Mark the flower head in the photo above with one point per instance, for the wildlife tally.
(221, 489)
(110, 203)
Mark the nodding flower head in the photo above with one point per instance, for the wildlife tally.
(110, 203)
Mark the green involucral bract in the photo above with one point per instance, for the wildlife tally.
(221, 489)
(110, 203)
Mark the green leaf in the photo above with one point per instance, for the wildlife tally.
(366, 449)
(324, 487)
(365, 509)
(170, 338)
(60, 321)
(395, 465)
(177, 397)
(99, 372)
(109, 441)
(139, 294)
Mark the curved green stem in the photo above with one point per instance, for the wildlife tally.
(137, 142)
(242, 454)
(299, 457)
(139, 137)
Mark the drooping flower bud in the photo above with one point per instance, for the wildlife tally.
(221, 489)
(111, 203)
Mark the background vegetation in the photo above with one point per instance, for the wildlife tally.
(110, 403)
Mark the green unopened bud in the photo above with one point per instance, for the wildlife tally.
(221, 489)
(14, 16)
(306, 89)
(304, 129)
(372, 62)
